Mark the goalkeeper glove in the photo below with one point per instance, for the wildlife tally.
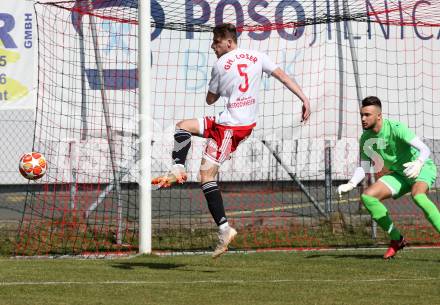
(343, 188)
(412, 169)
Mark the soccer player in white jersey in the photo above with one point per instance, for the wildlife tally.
(236, 78)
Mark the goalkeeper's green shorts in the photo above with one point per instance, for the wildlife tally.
(399, 184)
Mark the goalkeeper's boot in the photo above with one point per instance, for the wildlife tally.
(224, 239)
(177, 174)
(395, 246)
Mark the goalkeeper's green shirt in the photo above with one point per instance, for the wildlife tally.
(391, 143)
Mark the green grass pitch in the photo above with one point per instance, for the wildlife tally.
(316, 277)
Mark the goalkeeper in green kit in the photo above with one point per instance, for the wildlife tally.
(392, 145)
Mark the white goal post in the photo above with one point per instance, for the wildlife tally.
(145, 127)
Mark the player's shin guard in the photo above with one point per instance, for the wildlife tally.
(215, 202)
(182, 144)
(430, 210)
(380, 214)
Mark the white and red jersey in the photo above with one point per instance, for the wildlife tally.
(236, 76)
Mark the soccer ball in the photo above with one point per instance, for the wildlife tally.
(32, 165)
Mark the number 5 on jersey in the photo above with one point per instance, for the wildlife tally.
(245, 87)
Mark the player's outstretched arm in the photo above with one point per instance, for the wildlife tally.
(280, 75)
(358, 176)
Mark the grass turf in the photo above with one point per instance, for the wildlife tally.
(319, 277)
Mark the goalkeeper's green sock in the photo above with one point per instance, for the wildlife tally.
(380, 214)
(430, 210)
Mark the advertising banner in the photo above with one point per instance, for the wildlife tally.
(17, 32)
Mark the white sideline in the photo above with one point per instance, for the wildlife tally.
(291, 250)
(201, 253)
(243, 282)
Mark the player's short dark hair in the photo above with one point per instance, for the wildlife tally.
(371, 101)
(226, 30)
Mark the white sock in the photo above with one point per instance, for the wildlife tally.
(224, 226)
(180, 167)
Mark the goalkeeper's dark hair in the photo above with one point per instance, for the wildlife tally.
(371, 101)
(226, 30)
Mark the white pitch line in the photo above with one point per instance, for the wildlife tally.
(215, 282)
